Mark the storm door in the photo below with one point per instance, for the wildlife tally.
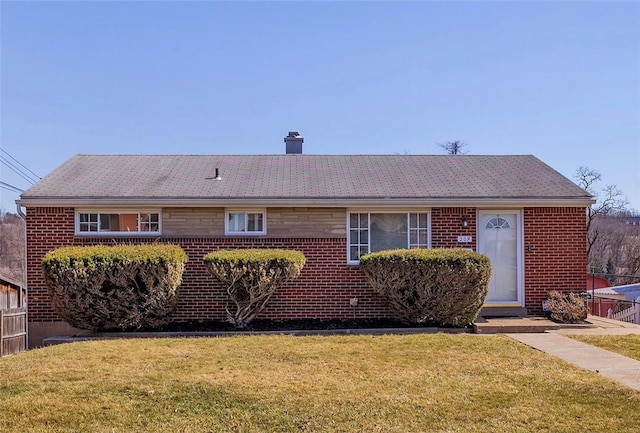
(499, 238)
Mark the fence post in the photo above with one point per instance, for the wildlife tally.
(599, 305)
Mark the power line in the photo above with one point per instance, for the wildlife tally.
(8, 187)
(30, 177)
(17, 170)
(21, 164)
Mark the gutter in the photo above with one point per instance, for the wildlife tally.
(138, 202)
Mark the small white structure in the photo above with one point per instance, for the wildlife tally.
(628, 292)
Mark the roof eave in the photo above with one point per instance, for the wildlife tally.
(306, 202)
(11, 281)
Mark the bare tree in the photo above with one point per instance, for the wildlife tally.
(453, 147)
(616, 250)
(608, 202)
(12, 246)
(633, 257)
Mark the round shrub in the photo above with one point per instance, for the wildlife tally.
(439, 286)
(119, 287)
(251, 277)
(567, 307)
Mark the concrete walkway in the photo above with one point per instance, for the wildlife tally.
(602, 326)
(620, 368)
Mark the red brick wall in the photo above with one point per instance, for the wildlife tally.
(323, 290)
(47, 228)
(554, 258)
(446, 227)
(555, 252)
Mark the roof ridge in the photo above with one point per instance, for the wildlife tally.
(308, 154)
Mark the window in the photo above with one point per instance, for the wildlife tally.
(497, 223)
(126, 222)
(245, 223)
(370, 232)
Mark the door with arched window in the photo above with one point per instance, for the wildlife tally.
(499, 237)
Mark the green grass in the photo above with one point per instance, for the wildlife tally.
(417, 383)
(627, 345)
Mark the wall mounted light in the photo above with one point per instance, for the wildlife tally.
(464, 223)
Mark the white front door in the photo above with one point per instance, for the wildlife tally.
(499, 238)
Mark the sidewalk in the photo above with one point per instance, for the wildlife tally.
(620, 368)
(603, 326)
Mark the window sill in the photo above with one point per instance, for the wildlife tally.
(245, 234)
(117, 234)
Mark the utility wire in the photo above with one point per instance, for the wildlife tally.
(22, 165)
(11, 188)
(17, 170)
(30, 177)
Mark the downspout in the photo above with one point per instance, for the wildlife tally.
(22, 215)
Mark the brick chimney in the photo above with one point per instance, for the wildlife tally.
(293, 142)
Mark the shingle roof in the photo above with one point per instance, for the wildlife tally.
(181, 178)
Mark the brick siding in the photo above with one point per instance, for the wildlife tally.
(446, 226)
(323, 290)
(554, 259)
(555, 253)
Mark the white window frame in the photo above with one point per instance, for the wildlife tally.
(99, 233)
(246, 232)
(410, 229)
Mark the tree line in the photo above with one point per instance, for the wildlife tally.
(12, 247)
(613, 231)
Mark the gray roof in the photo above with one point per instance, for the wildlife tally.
(304, 179)
(630, 291)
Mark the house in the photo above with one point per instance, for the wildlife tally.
(627, 292)
(597, 282)
(529, 219)
(632, 220)
(608, 300)
(598, 305)
(12, 294)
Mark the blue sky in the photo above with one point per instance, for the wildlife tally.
(559, 80)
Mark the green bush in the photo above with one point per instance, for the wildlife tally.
(443, 287)
(567, 307)
(251, 277)
(114, 287)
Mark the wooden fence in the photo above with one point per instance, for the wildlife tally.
(10, 297)
(13, 331)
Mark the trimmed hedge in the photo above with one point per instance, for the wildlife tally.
(252, 276)
(439, 286)
(119, 287)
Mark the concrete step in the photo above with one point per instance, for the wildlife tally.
(513, 325)
(503, 312)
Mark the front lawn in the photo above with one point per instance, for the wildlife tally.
(627, 345)
(412, 383)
